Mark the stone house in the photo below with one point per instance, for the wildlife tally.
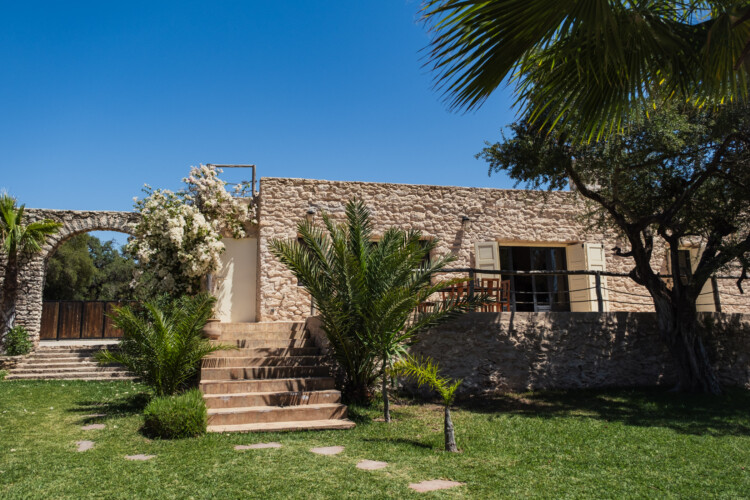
(554, 336)
(504, 229)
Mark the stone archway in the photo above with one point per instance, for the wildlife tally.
(32, 273)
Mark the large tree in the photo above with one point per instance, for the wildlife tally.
(601, 58)
(18, 241)
(84, 268)
(681, 174)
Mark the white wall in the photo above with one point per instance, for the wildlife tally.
(235, 282)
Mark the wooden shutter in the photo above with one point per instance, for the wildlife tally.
(586, 257)
(487, 256)
(705, 302)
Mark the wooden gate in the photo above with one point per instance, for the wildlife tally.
(75, 319)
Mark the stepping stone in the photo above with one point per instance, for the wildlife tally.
(84, 445)
(95, 415)
(328, 450)
(93, 427)
(139, 457)
(434, 484)
(371, 465)
(258, 446)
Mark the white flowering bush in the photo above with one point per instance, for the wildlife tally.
(178, 240)
(210, 195)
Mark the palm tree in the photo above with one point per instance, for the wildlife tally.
(598, 58)
(427, 372)
(367, 292)
(18, 240)
(163, 344)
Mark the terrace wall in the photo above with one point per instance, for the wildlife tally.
(496, 353)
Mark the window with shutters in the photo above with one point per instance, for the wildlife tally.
(536, 293)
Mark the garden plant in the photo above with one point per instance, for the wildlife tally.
(163, 343)
(427, 372)
(367, 293)
(18, 240)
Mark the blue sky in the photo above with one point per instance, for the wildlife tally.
(98, 98)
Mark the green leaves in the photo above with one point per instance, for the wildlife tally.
(598, 59)
(16, 236)
(367, 290)
(425, 371)
(163, 344)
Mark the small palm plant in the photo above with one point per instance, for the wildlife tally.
(367, 292)
(17, 239)
(427, 372)
(163, 344)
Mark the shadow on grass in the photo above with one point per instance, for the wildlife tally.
(694, 414)
(359, 415)
(390, 440)
(126, 405)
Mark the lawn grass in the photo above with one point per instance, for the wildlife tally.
(582, 444)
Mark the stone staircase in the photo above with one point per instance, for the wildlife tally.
(68, 362)
(274, 381)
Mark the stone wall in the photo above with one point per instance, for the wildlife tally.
(31, 274)
(512, 217)
(497, 353)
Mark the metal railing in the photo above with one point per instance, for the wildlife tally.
(597, 286)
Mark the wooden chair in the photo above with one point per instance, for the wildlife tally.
(498, 295)
(455, 292)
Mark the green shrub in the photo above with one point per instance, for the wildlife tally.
(174, 417)
(163, 343)
(17, 341)
(3, 374)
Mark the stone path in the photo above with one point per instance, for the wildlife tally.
(371, 465)
(258, 446)
(328, 450)
(139, 457)
(84, 445)
(434, 484)
(93, 427)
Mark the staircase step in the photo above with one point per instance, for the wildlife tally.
(226, 362)
(229, 336)
(265, 414)
(265, 351)
(268, 385)
(59, 365)
(75, 369)
(271, 399)
(273, 326)
(58, 353)
(263, 372)
(255, 344)
(307, 425)
(118, 375)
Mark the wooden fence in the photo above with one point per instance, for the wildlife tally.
(75, 319)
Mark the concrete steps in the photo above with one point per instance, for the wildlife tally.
(305, 425)
(268, 385)
(239, 400)
(67, 363)
(262, 372)
(275, 381)
(237, 361)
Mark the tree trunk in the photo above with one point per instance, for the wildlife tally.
(450, 437)
(10, 290)
(386, 405)
(678, 325)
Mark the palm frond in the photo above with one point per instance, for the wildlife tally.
(590, 61)
(425, 371)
